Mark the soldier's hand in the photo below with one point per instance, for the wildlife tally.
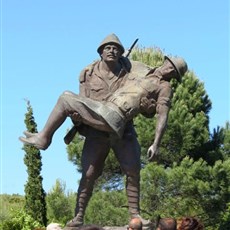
(76, 118)
(144, 102)
(148, 105)
(153, 153)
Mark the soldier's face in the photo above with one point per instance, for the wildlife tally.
(111, 53)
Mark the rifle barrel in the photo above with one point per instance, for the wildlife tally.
(130, 49)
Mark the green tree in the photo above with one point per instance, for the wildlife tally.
(20, 220)
(8, 203)
(35, 204)
(107, 209)
(211, 151)
(60, 205)
(225, 223)
(191, 188)
(216, 148)
(226, 141)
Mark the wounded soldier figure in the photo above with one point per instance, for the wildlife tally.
(116, 109)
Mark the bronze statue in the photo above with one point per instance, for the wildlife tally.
(113, 91)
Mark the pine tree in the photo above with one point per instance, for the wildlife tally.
(59, 205)
(107, 208)
(35, 204)
(189, 188)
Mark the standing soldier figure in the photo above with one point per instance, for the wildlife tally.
(113, 91)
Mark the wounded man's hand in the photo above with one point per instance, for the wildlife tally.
(153, 153)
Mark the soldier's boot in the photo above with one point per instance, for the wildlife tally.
(75, 223)
(133, 194)
(42, 140)
(83, 196)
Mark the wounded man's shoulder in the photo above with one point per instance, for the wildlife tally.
(140, 68)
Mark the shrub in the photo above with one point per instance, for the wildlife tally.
(20, 220)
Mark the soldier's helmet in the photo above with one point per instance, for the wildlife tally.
(111, 39)
(179, 64)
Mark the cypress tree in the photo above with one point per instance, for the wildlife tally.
(35, 204)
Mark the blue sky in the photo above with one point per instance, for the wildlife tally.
(45, 45)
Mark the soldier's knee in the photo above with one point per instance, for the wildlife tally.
(133, 177)
(132, 171)
(92, 174)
